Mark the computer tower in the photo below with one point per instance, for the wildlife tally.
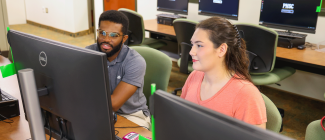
(165, 20)
(290, 42)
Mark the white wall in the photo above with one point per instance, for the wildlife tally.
(248, 12)
(67, 15)
(4, 46)
(98, 9)
(16, 12)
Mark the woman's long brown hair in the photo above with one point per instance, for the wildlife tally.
(222, 31)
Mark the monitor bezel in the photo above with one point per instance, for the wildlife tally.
(215, 14)
(173, 10)
(205, 13)
(288, 27)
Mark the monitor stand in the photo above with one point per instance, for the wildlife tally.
(31, 103)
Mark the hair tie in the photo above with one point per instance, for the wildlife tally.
(237, 36)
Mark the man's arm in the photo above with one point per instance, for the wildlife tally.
(121, 94)
(135, 70)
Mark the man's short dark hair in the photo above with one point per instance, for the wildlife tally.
(116, 17)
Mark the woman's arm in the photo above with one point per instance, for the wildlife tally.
(263, 125)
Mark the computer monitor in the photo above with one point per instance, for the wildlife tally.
(174, 6)
(298, 15)
(178, 119)
(224, 8)
(78, 104)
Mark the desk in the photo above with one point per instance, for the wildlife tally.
(299, 59)
(153, 27)
(305, 60)
(19, 130)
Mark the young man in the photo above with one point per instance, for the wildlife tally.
(126, 68)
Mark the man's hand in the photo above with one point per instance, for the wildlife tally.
(121, 94)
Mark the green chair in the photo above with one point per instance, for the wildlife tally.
(136, 31)
(158, 69)
(274, 119)
(261, 42)
(184, 30)
(314, 131)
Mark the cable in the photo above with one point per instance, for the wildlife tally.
(66, 128)
(48, 124)
(58, 119)
(310, 45)
(117, 132)
(6, 119)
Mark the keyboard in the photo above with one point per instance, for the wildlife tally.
(118, 138)
(4, 97)
(170, 16)
(288, 34)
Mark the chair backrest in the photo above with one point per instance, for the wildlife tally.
(314, 131)
(274, 119)
(158, 69)
(262, 42)
(184, 30)
(136, 26)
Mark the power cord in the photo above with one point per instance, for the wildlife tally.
(117, 132)
(48, 123)
(66, 127)
(310, 45)
(11, 121)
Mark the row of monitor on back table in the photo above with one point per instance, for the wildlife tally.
(299, 15)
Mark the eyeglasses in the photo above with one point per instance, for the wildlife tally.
(103, 34)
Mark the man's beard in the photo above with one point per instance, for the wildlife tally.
(115, 49)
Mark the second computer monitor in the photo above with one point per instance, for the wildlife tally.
(174, 6)
(73, 81)
(224, 8)
(298, 15)
(179, 119)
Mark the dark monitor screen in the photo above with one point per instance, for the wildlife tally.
(176, 6)
(299, 15)
(225, 8)
(78, 104)
(178, 119)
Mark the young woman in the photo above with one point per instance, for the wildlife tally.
(220, 80)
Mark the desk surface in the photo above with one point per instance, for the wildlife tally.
(305, 56)
(153, 26)
(19, 130)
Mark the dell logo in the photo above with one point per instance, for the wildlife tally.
(43, 59)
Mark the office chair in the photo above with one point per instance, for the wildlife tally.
(262, 43)
(158, 69)
(274, 119)
(315, 131)
(184, 30)
(136, 31)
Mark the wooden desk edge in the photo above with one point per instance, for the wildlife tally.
(123, 122)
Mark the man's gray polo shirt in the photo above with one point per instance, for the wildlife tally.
(130, 67)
